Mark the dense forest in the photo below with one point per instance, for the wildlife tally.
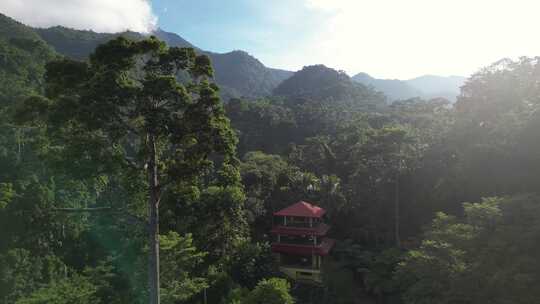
(429, 201)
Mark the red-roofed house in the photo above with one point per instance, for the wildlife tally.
(302, 209)
(300, 241)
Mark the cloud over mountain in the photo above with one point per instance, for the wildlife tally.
(97, 15)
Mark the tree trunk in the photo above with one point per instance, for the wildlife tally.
(153, 229)
(396, 213)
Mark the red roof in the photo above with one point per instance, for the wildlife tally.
(302, 209)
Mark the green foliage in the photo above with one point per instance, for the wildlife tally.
(262, 125)
(96, 123)
(83, 92)
(78, 44)
(23, 56)
(73, 290)
(82, 139)
(340, 286)
(468, 260)
(21, 273)
(260, 174)
(494, 135)
(179, 263)
(318, 81)
(22, 68)
(105, 112)
(10, 28)
(237, 73)
(375, 269)
(241, 75)
(252, 263)
(236, 296)
(221, 209)
(380, 271)
(270, 291)
(6, 194)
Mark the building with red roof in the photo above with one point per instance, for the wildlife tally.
(300, 241)
(302, 209)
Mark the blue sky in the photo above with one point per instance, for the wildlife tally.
(265, 29)
(223, 26)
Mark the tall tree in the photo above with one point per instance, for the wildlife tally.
(123, 113)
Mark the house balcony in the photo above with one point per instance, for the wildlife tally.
(321, 229)
(321, 249)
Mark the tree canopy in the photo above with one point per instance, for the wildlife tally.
(125, 178)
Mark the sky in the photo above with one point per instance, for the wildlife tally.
(385, 38)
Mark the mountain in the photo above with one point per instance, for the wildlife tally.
(173, 39)
(438, 86)
(10, 28)
(320, 82)
(23, 55)
(77, 44)
(394, 89)
(237, 73)
(312, 80)
(428, 86)
(240, 74)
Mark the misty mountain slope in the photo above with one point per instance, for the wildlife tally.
(427, 86)
(393, 88)
(438, 86)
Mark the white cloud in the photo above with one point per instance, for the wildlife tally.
(97, 15)
(403, 39)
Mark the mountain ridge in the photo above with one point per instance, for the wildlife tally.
(426, 86)
(238, 73)
(319, 82)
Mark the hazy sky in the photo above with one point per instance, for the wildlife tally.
(385, 38)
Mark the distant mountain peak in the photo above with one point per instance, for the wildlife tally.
(363, 74)
(425, 86)
(321, 82)
(393, 88)
(438, 86)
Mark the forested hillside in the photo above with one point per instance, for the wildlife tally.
(323, 83)
(238, 73)
(120, 184)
